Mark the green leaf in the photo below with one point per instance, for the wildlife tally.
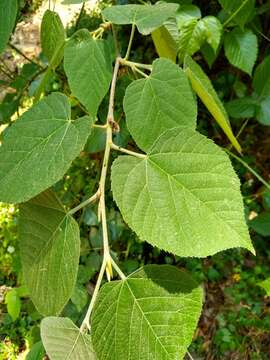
(241, 49)
(239, 11)
(39, 148)
(186, 13)
(96, 141)
(37, 352)
(88, 68)
(241, 108)
(184, 197)
(209, 54)
(265, 285)
(13, 302)
(53, 36)
(146, 17)
(263, 111)
(213, 31)
(261, 80)
(150, 315)
(162, 101)
(261, 224)
(8, 13)
(63, 340)
(164, 43)
(50, 250)
(203, 87)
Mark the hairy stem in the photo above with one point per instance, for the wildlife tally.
(130, 42)
(126, 151)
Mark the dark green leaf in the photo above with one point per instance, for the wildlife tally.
(261, 224)
(239, 11)
(37, 352)
(53, 37)
(261, 80)
(8, 13)
(241, 49)
(50, 249)
(241, 108)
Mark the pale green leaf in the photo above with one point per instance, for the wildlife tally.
(146, 17)
(13, 302)
(265, 285)
(162, 101)
(203, 87)
(261, 224)
(88, 67)
(241, 49)
(39, 148)
(186, 13)
(150, 315)
(37, 352)
(213, 31)
(165, 44)
(50, 250)
(184, 197)
(8, 13)
(241, 108)
(192, 36)
(261, 80)
(52, 37)
(238, 11)
(63, 340)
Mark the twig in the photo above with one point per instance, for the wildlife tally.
(126, 151)
(87, 202)
(25, 56)
(79, 17)
(264, 182)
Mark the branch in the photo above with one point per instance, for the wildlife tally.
(24, 56)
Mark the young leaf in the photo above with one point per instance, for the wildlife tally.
(150, 315)
(8, 13)
(186, 13)
(63, 340)
(213, 31)
(204, 89)
(184, 197)
(241, 49)
(162, 101)
(53, 37)
(192, 36)
(265, 285)
(239, 11)
(37, 352)
(146, 17)
(39, 148)
(88, 68)
(164, 43)
(50, 249)
(261, 80)
(13, 302)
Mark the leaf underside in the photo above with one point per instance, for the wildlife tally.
(184, 197)
(150, 315)
(50, 250)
